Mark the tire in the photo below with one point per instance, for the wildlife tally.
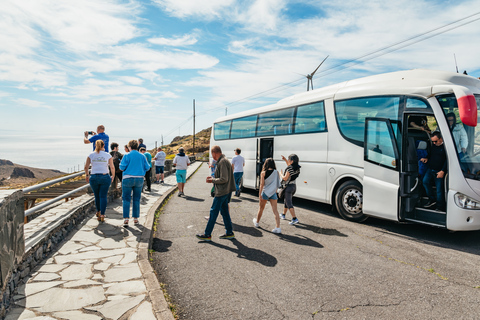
(349, 201)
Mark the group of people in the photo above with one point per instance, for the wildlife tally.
(131, 169)
(227, 177)
(434, 163)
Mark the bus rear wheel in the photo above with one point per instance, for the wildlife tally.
(349, 201)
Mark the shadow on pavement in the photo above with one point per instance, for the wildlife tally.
(320, 230)
(160, 245)
(300, 240)
(189, 198)
(244, 252)
(254, 232)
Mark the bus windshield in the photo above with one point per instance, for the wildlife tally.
(467, 139)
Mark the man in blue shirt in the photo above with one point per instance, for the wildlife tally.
(100, 135)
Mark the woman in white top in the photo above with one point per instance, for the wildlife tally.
(269, 183)
(99, 178)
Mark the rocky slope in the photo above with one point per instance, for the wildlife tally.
(17, 176)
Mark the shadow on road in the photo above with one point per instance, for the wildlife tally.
(320, 230)
(189, 198)
(244, 252)
(251, 231)
(160, 245)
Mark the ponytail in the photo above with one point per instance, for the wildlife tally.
(99, 145)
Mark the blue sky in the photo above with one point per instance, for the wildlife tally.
(135, 66)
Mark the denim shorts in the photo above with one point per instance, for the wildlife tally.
(159, 169)
(273, 197)
(181, 176)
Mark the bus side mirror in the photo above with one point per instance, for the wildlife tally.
(467, 107)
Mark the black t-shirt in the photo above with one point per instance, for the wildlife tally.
(293, 174)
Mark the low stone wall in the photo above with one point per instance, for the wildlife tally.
(12, 244)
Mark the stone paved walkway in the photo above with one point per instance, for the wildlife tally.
(95, 274)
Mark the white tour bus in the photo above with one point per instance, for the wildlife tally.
(359, 143)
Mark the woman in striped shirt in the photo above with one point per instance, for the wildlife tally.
(291, 174)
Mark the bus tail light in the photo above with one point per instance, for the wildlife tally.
(465, 202)
(467, 107)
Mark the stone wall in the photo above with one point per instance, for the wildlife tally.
(12, 242)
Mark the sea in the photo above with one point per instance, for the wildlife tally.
(65, 153)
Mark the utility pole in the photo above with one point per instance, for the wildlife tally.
(193, 126)
(162, 141)
(225, 110)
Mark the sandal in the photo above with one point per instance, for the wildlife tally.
(135, 221)
(102, 218)
(98, 216)
(125, 223)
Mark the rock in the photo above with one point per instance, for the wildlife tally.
(22, 173)
(6, 163)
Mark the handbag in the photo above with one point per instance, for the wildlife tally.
(281, 191)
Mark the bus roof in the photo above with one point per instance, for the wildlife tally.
(414, 82)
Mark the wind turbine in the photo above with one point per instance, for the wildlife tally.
(310, 76)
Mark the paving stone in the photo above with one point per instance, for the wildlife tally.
(77, 272)
(84, 256)
(58, 299)
(52, 268)
(144, 312)
(86, 236)
(123, 273)
(110, 243)
(129, 258)
(117, 297)
(127, 287)
(35, 287)
(79, 283)
(101, 266)
(69, 247)
(114, 309)
(90, 248)
(114, 260)
(76, 315)
(46, 277)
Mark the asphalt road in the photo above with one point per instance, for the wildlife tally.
(322, 268)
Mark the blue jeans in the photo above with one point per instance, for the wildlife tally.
(130, 185)
(238, 178)
(428, 185)
(220, 204)
(100, 184)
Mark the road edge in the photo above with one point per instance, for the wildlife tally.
(155, 292)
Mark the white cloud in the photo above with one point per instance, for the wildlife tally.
(131, 80)
(206, 9)
(186, 40)
(32, 103)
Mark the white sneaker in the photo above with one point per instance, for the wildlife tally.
(255, 223)
(282, 216)
(277, 230)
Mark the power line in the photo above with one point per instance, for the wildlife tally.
(372, 55)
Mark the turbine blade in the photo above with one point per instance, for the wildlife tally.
(319, 65)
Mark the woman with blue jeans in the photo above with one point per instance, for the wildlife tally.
(134, 166)
(99, 177)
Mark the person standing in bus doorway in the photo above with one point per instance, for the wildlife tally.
(292, 171)
(238, 162)
(437, 168)
(160, 164)
(99, 135)
(181, 162)
(459, 134)
(269, 183)
(224, 186)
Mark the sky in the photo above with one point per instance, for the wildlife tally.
(136, 66)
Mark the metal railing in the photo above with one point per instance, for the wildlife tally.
(49, 183)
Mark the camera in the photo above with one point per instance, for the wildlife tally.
(90, 133)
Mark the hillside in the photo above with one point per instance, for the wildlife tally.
(17, 176)
(202, 143)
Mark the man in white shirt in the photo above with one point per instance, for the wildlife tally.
(238, 162)
(160, 164)
(181, 162)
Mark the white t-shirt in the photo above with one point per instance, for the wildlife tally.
(181, 162)
(238, 162)
(99, 162)
(160, 159)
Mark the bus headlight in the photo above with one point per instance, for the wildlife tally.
(465, 202)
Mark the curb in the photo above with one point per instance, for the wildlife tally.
(155, 292)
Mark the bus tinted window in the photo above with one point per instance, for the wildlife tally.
(416, 103)
(351, 114)
(243, 127)
(221, 130)
(310, 118)
(275, 123)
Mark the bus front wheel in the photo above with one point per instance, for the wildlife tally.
(349, 201)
